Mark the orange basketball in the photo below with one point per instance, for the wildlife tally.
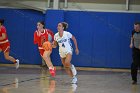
(47, 46)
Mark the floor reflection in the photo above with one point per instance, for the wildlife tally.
(8, 87)
(38, 80)
(49, 84)
(134, 89)
(73, 88)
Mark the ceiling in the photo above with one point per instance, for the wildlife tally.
(20, 4)
(79, 1)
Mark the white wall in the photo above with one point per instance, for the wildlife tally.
(101, 7)
(43, 6)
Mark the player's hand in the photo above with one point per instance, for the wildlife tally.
(77, 51)
(139, 46)
(53, 45)
(131, 45)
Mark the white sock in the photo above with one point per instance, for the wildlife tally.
(74, 72)
(51, 68)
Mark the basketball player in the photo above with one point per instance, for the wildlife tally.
(5, 45)
(62, 38)
(40, 36)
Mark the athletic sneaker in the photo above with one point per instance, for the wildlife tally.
(74, 72)
(53, 72)
(17, 64)
(74, 80)
(134, 82)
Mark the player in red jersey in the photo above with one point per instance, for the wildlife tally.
(5, 45)
(42, 35)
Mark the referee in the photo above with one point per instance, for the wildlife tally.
(135, 45)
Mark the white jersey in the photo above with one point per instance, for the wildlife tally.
(64, 42)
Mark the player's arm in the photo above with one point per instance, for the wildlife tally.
(35, 38)
(76, 45)
(132, 40)
(51, 33)
(3, 36)
(54, 44)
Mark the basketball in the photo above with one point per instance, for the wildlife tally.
(47, 46)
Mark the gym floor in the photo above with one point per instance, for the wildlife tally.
(38, 80)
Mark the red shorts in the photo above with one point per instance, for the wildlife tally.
(42, 51)
(5, 47)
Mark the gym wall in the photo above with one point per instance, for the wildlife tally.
(21, 25)
(103, 37)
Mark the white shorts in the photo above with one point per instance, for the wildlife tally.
(63, 54)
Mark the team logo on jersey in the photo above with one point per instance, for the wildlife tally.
(63, 40)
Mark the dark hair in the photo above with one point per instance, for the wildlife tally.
(43, 23)
(2, 21)
(137, 23)
(65, 25)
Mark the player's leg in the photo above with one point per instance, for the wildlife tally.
(46, 57)
(134, 65)
(6, 49)
(134, 69)
(66, 66)
(70, 67)
(12, 59)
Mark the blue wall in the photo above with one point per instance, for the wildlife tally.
(21, 25)
(103, 37)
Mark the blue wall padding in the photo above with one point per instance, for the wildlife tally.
(21, 25)
(103, 37)
(52, 18)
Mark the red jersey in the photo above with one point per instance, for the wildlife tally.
(3, 31)
(41, 37)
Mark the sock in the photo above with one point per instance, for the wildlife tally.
(73, 76)
(15, 62)
(51, 68)
(73, 69)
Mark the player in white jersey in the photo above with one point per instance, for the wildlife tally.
(62, 39)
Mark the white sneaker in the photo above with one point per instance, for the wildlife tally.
(74, 71)
(74, 80)
(17, 64)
